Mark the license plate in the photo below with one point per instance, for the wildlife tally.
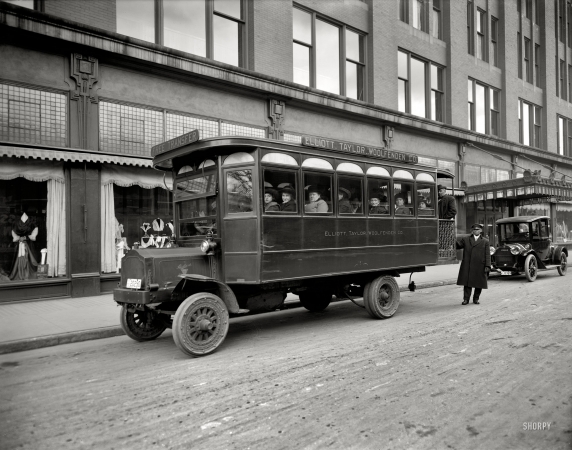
(134, 283)
(505, 272)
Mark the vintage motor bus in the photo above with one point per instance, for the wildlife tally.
(256, 219)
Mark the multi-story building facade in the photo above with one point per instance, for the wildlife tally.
(480, 87)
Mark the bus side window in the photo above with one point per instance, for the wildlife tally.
(239, 190)
(318, 193)
(403, 194)
(425, 200)
(350, 195)
(378, 197)
(280, 191)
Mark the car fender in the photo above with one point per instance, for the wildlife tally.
(199, 283)
(557, 252)
(522, 259)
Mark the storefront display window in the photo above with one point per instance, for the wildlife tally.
(563, 227)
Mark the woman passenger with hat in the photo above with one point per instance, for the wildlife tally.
(422, 209)
(315, 203)
(344, 205)
(288, 199)
(476, 263)
(270, 197)
(400, 208)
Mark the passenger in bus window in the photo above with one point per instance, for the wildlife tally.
(288, 199)
(422, 209)
(375, 206)
(315, 203)
(270, 197)
(344, 205)
(400, 208)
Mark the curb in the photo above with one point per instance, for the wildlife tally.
(102, 333)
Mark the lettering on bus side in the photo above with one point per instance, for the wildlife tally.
(362, 233)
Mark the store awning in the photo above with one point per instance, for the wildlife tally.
(527, 187)
(51, 154)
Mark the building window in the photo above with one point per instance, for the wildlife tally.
(208, 28)
(481, 31)
(562, 20)
(24, 3)
(569, 20)
(32, 116)
(529, 124)
(470, 47)
(519, 50)
(537, 65)
(317, 55)
(527, 66)
(419, 15)
(404, 10)
(483, 108)
(437, 32)
(564, 136)
(528, 8)
(536, 12)
(570, 83)
(416, 79)
(562, 75)
(494, 41)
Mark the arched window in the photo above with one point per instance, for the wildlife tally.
(317, 163)
(378, 172)
(405, 174)
(280, 158)
(424, 177)
(238, 158)
(185, 169)
(206, 163)
(349, 167)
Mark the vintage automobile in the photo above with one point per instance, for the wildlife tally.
(525, 245)
(236, 255)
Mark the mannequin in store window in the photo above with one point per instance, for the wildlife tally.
(24, 234)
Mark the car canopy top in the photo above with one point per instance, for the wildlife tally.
(521, 219)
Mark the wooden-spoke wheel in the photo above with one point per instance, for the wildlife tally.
(141, 325)
(315, 300)
(200, 324)
(531, 267)
(381, 297)
(563, 265)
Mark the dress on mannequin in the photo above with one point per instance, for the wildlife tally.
(25, 264)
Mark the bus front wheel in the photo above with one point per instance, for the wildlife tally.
(200, 324)
(381, 297)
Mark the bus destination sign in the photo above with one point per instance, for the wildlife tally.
(179, 141)
(357, 149)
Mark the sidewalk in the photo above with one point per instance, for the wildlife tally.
(30, 325)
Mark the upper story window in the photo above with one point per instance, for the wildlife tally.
(404, 10)
(328, 56)
(437, 22)
(481, 32)
(419, 15)
(210, 28)
(529, 124)
(564, 136)
(527, 62)
(483, 108)
(569, 20)
(528, 9)
(537, 65)
(416, 78)
(22, 3)
(470, 37)
(562, 79)
(494, 41)
(561, 25)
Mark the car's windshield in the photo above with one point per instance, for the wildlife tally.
(514, 232)
(196, 204)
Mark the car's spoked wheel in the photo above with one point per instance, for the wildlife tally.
(530, 268)
(381, 297)
(563, 265)
(200, 324)
(141, 325)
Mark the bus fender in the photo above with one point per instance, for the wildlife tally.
(201, 283)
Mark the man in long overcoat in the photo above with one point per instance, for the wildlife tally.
(476, 263)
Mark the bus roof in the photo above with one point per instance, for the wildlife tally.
(163, 155)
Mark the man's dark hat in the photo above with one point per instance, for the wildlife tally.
(480, 226)
(273, 192)
(401, 196)
(440, 186)
(288, 190)
(313, 188)
(422, 200)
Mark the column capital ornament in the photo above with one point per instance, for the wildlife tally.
(276, 113)
(84, 71)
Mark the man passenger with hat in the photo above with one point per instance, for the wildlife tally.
(476, 263)
(315, 204)
(447, 206)
(400, 208)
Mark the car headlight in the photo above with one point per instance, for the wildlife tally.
(492, 250)
(527, 247)
(514, 250)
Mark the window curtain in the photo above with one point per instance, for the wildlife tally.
(56, 228)
(122, 176)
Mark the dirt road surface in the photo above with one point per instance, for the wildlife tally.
(437, 375)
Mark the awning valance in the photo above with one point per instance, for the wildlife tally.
(129, 176)
(31, 170)
(538, 187)
(72, 155)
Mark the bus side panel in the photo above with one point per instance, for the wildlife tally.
(240, 249)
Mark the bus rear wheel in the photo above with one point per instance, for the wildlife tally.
(141, 325)
(381, 297)
(200, 324)
(315, 300)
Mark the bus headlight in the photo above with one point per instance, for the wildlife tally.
(208, 247)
